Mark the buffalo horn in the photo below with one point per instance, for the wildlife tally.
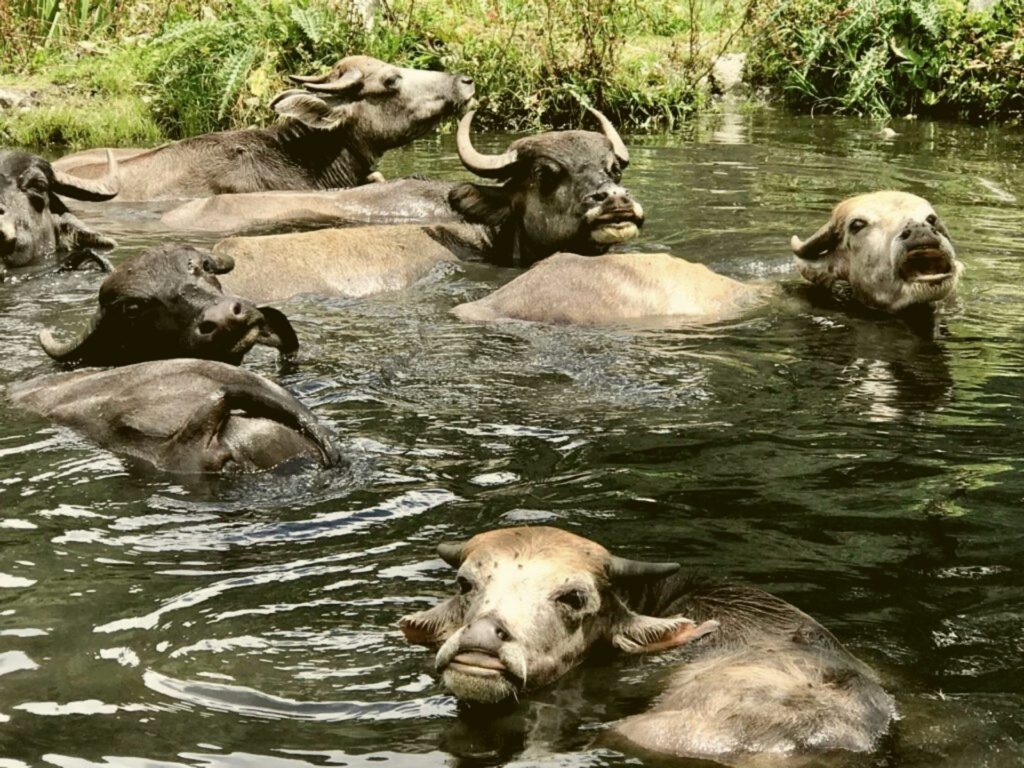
(218, 263)
(621, 568)
(65, 351)
(306, 79)
(451, 552)
(817, 245)
(488, 166)
(618, 145)
(93, 190)
(350, 79)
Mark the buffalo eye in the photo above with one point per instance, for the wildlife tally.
(933, 219)
(547, 176)
(465, 585)
(856, 225)
(616, 173)
(575, 599)
(392, 81)
(131, 309)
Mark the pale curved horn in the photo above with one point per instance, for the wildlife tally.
(621, 568)
(93, 190)
(618, 145)
(451, 552)
(818, 244)
(488, 166)
(350, 79)
(304, 79)
(68, 351)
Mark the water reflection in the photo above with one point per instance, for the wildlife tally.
(866, 473)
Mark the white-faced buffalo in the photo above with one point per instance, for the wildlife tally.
(889, 246)
(182, 415)
(761, 676)
(35, 225)
(337, 128)
(168, 302)
(561, 191)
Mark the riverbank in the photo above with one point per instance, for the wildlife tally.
(114, 72)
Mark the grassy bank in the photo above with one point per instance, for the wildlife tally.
(113, 72)
(893, 57)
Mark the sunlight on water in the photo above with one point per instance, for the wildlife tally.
(869, 476)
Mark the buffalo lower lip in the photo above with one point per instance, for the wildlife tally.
(473, 669)
(926, 265)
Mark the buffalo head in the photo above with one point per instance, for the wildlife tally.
(562, 191)
(531, 603)
(891, 247)
(167, 302)
(382, 106)
(35, 225)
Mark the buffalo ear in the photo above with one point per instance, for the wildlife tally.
(72, 235)
(277, 331)
(434, 625)
(309, 109)
(480, 203)
(647, 634)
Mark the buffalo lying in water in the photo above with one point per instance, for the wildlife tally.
(337, 128)
(35, 225)
(561, 191)
(762, 676)
(182, 415)
(167, 302)
(890, 247)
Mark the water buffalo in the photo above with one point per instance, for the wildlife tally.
(561, 191)
(761, 676)
(890, 246)
(337, 128)
(35, 225)
(167, 302)
(182, 415)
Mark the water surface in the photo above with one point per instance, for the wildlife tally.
(869, 476)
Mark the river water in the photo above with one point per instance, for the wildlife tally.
(870, 477)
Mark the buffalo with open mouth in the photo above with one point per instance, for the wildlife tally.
(168, 302)
(890, 247)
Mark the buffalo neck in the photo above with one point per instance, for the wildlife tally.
(331, 159)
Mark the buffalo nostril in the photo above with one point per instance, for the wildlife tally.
(466, 80)
(207, 327)
(502, 634)
(598, 197)
(905, 234)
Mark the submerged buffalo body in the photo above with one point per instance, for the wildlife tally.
(168, 302)
(561, 191)
(35, 225)
(337, 128)
(889, 246)
(762, 676)
(193, 416)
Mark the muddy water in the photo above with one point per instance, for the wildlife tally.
(870, 477)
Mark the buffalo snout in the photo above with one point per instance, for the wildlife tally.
(485, 635)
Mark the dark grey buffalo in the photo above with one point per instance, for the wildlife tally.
(168, 302)
(560, 191)
(35, 225)
(337, 128)
(761, 676)
(194, 416)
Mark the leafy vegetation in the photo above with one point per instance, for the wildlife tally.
(894, 57)
(198, 67)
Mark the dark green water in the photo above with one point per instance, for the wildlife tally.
(871, 478)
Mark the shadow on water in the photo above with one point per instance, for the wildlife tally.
(868, 474)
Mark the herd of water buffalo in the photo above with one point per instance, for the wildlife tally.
(159, 379)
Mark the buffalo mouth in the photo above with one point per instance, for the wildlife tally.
(927, 264)
(478, 663)
(480, 677)
(616, 225)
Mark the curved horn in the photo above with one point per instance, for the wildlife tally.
(304, 79)
(218, 263)
(620, 568)
(488, 166)
(451, 552)
(618, 145)
(93, 190)
(818, 244)
(350, 79)
(68, 351)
